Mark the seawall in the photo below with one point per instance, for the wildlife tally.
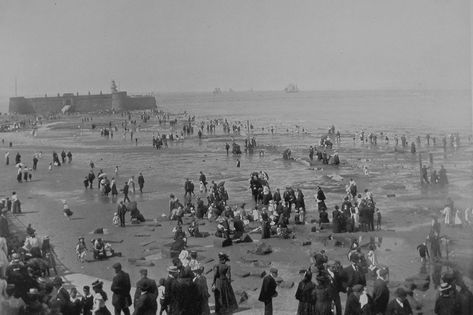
(118, 101)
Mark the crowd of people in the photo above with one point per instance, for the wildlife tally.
(25, 268)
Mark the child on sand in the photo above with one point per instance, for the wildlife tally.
(67, 211)
(50, 167)
(161, 292)
(81, 249)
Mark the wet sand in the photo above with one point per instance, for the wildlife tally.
(406, 217)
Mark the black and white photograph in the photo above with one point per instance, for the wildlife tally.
(181, 157)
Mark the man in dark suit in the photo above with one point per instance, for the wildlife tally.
(353, 274)
(146, 304)
(268, 291)
(380, 293)
(170, 302)
(335, 272)
(353, 306)
(399, 305)
(121, 287)
(62, 296)
(153, 289)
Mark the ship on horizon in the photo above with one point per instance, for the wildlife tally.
(291, 88)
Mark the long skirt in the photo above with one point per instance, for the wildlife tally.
(16, 206)
(305, 308)
(225, 301)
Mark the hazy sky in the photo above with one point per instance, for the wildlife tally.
(197, 45)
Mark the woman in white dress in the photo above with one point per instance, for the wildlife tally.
(447, 212)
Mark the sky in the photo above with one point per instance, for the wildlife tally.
(189, 45)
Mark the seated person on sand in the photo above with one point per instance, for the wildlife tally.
(177, 214)
(282, 231)
(201, 209)
(136, 216)
(239, 227)
(179, 233)
(194, 230)
(299, 217)
(223, 228)
(190, 209)
(102, 250)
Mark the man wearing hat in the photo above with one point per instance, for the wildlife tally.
(146, 304)
(447, 301)
(335, 285)
(203, 290)
(380, 292)
(62, 296)
(153, 289)
(268, 291)
(121, 298)
(170, 301)
(353, 274)
(399, 305)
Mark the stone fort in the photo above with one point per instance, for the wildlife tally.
(115, 101)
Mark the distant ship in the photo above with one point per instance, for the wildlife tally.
(291, 88)
(217, 91)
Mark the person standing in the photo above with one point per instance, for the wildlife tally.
(335, 284)
(380, 292)
(305, 294)
(320, 198)
(100, 297)
(153, 288)
(353, 275)
(121, 211)
(7, 158)
(35, 162)
(202, 289)
(91, 177)
(125, 192)
(62, 296)
(141, 182)
(203, 180)
(170, 301)
(400, 305)
(146, 303)
(323, 299)
(113, 187)
(87, 301)
(353, 305)
(423, 252)
(225, 301)
(268, 291)
(121, 298)
(131, 183)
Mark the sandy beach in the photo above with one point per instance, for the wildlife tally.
(407, 208)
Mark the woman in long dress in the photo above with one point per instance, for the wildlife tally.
(323, 299)
(305, 294)
(3, 257)
(100, 297)
(225, 301)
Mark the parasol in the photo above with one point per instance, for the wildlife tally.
(102, 175)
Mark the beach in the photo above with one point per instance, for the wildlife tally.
(299, 121)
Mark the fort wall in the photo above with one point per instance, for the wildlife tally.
(117, 101)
